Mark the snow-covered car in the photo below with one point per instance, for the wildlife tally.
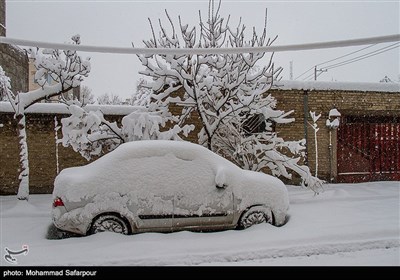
(164, 186)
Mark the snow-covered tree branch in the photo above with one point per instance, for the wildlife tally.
(5, 86)
(225, 90)
(314, 126)
(218, 87)
(142, 95)
(57, 72)
(90, 134)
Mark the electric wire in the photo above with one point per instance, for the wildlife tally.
(358, 58)
(352, 60)
(339, 57)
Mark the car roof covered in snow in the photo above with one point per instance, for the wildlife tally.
(115, 169)
(156, 148)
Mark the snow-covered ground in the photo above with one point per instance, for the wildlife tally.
(348, 224)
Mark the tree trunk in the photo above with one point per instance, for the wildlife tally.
(209, 146)
(23, 190)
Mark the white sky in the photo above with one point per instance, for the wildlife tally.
(120, 23)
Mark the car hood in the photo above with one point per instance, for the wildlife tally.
(256, 188)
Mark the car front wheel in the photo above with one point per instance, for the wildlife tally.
(109, 222)
(253, 216)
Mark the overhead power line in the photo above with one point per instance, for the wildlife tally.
(348, 61)
(177, 51)
(337, 58)
(309, 76)
(361, 57)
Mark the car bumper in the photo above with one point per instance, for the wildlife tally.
(63, 222)
(280, 218)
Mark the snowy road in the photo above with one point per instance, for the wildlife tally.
(354, 224)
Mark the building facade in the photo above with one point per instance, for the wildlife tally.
(32, 85)
(13, 60)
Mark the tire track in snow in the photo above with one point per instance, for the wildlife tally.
(190, 259)
(336, 199)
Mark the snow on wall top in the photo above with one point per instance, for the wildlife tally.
(353, 86)
(60, 108)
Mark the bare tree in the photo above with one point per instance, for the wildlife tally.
(225, 90)
(386, 79)
(107, 99)
(217, 87)
(66, 70)
(142, 95)
(86, 95)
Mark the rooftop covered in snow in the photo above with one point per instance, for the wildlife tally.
(349, 86)
(60, 108)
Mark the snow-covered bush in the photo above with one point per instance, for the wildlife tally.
(5, 86)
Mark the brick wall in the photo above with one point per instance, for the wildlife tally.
(41, 143)
(322, 101)
(41, 152)
(15, 64)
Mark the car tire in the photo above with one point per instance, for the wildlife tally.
(110, 223)
(254, 215)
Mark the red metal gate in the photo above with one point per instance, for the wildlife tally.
(368, 149)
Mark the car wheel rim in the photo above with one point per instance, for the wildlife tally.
(109, 225)
(253, 218)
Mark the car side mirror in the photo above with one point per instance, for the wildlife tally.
(221, 187)
(220, 179)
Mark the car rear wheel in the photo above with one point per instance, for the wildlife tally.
(253, 216)
(109, 222)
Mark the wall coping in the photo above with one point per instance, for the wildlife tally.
(60, 108)
(343, 86)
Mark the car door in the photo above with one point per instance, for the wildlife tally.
(154, 211)
(200, 204)
(151, 198)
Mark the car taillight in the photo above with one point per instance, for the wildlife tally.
(58, 202)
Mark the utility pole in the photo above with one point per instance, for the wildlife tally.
(318, 70)
(315, 73)
(291, 70)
